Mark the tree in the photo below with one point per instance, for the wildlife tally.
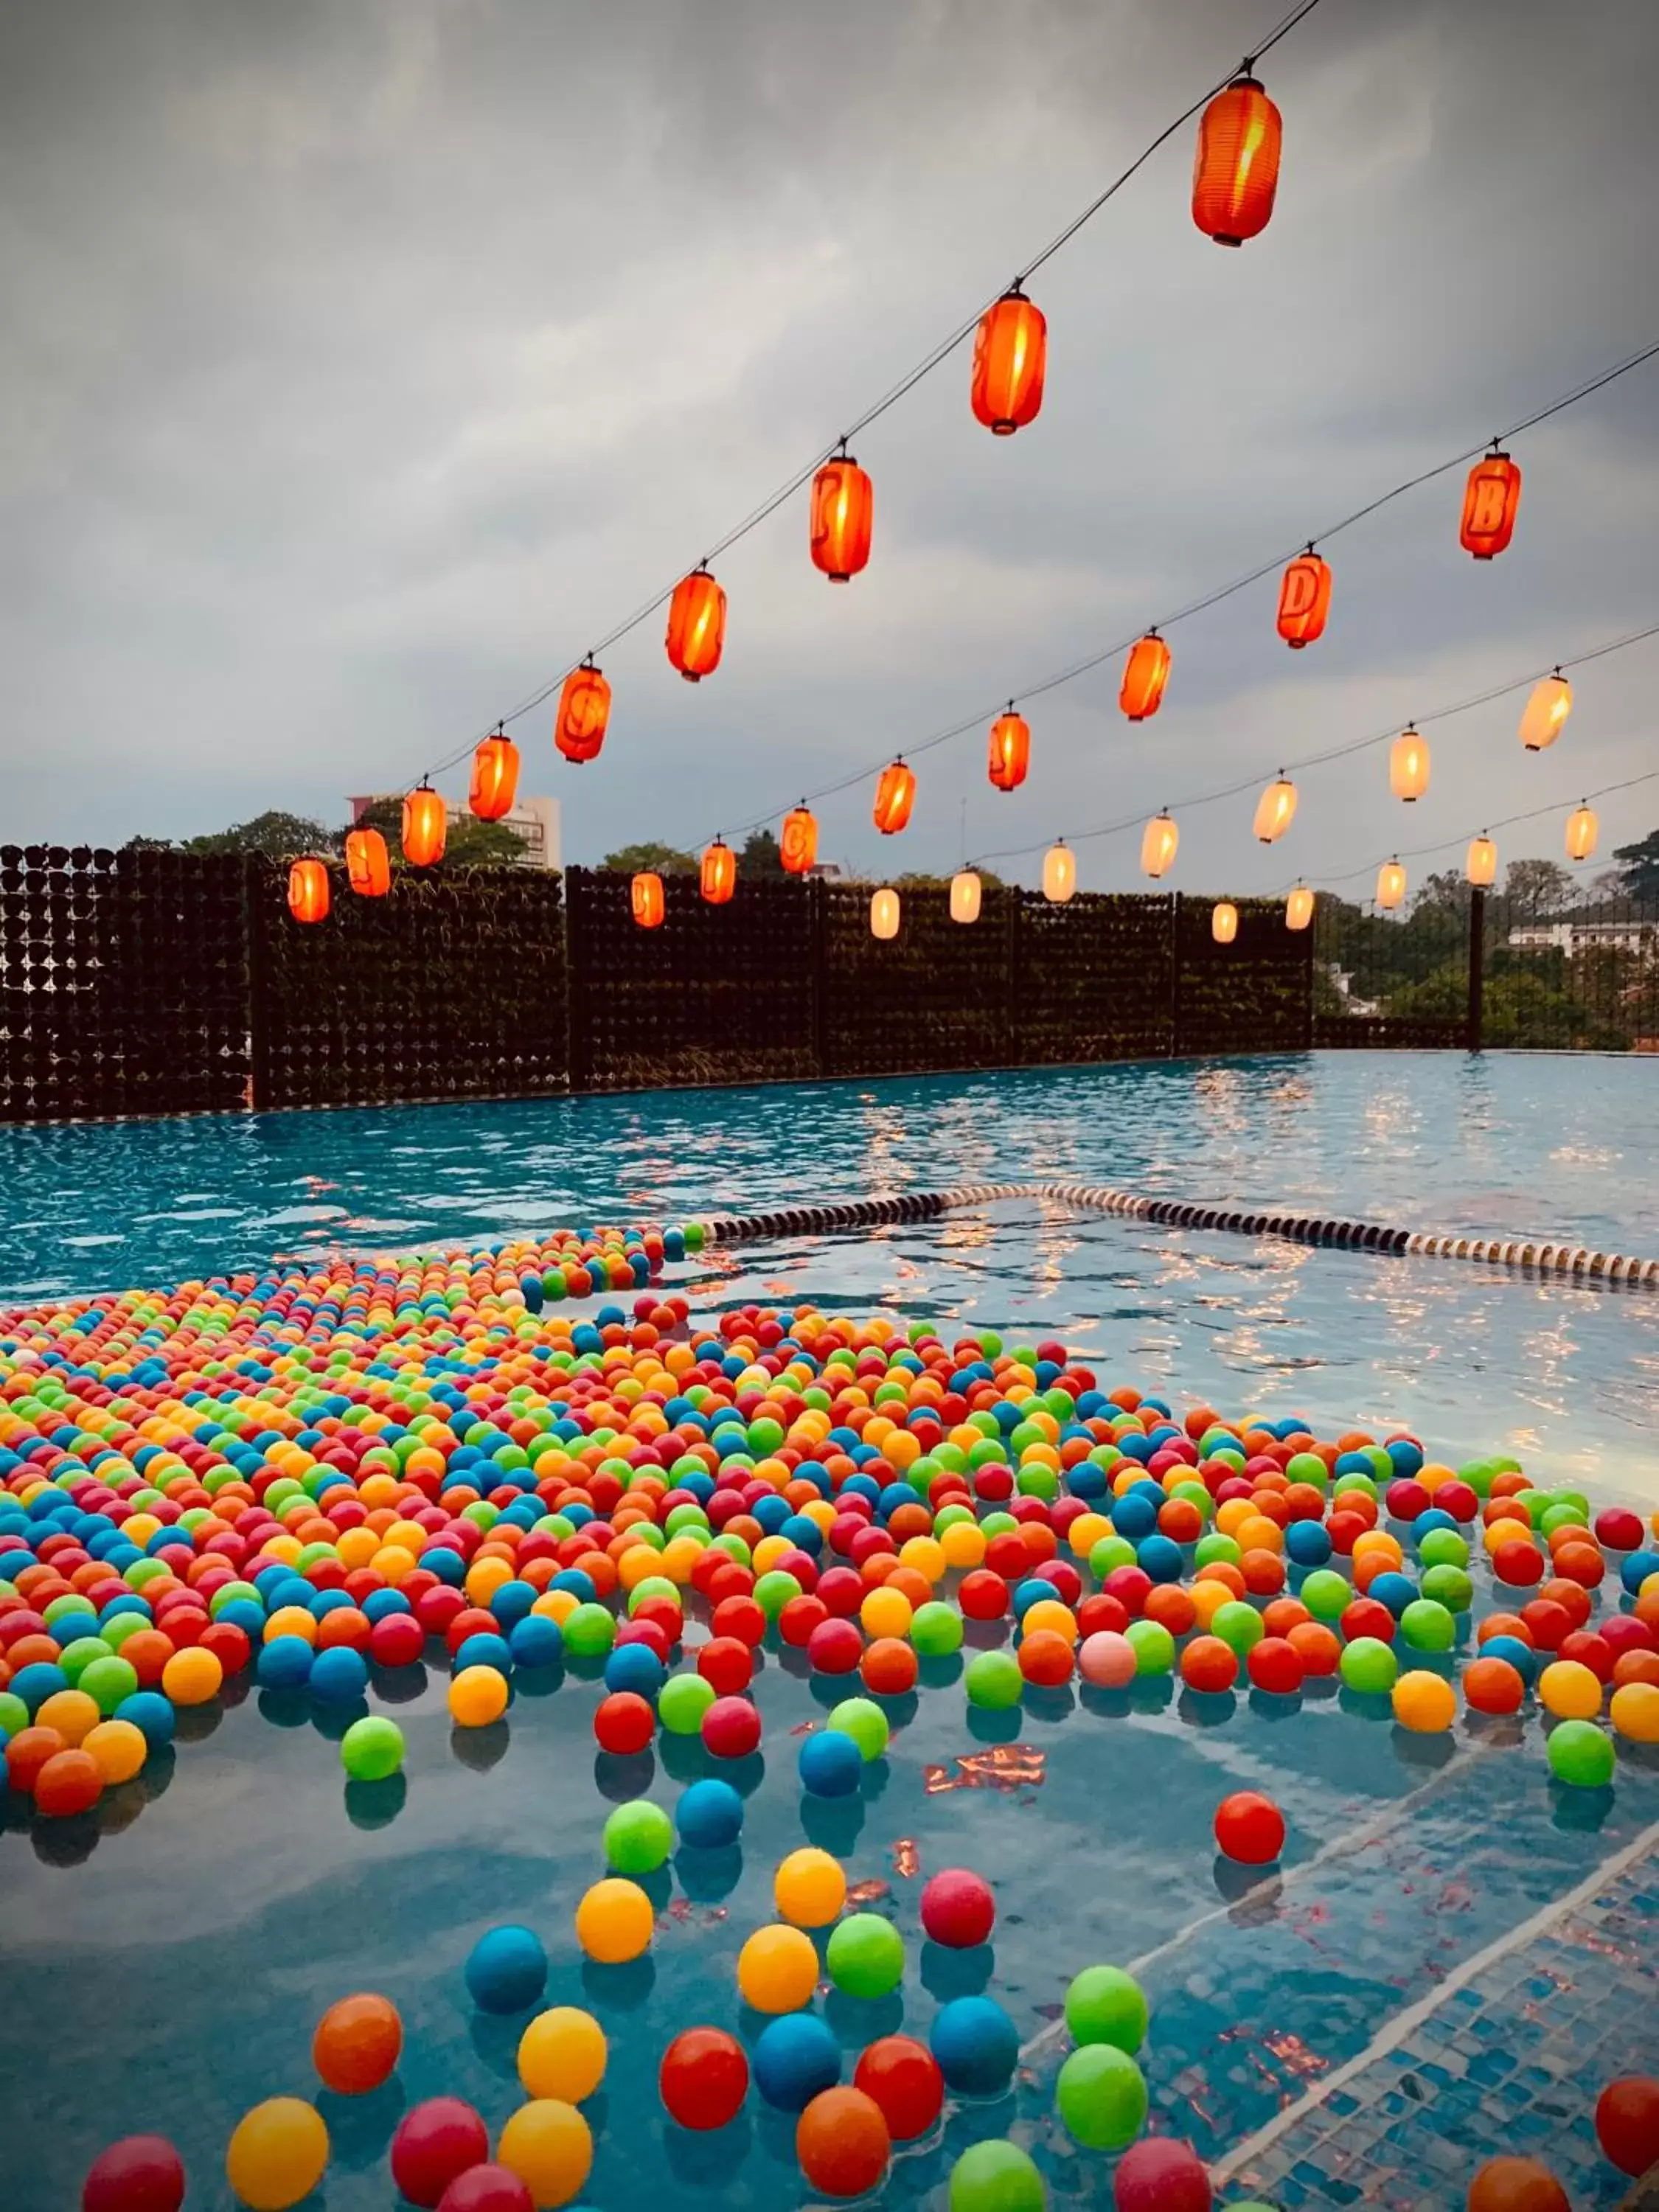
(470, 843)
(760, 856)
(650, 859)
(1638, 867)
(1448, 890)
(280, 836)
(1538, 886)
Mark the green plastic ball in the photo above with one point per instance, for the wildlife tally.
(589, 1631)
(1101, 2096)
(1110, 1552)
(936, 1630)
(372, 1748)
(1153, 1646)
(1450, 1585)
(1427, 1626)
(773, 1592)
(1443, 1547)
(996, 2177)
(1215, 1549)
(683, 1701)
(638, 1837)
(1326, 1594)
(865, 1955)
(85, 1651)
(864, 1722)
(1237, 1624)
(993, 1680)
(14, 1715)
(1579, 1754)
(1105, 2005)
(1367, 1665)
(107, 1681)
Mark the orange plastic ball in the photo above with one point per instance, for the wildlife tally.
(1517, 2184)
(842, 2142)
(1208, 1664)
(357, 2043)
(70, 1782)
(1493, 1685)
(889, 1666)
(1045, 1659)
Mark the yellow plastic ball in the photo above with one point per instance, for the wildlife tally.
(926, 1555)
(1232, 1514)
(119, 1747)
(477, 1695)
(1570, 1691)
(1379, 1542)
(1634, 1711)
(192, 1676)
(290, 1620)
(1257, 1533)
(562, 2054)
(550, 2146)
(810, 1888)
(778, 1970)
(73, 1713)
(1052, 1613)
(485, 1577)
(1085, 1532)
(1425, 1703)
(1208, 1597)
(614, 1921)
(886, 1613)
(556, 1605)
(964, 1544)
(277, 2154)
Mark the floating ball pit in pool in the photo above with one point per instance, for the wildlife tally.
(313, 1478)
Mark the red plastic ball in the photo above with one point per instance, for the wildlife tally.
(1547, 1623)
(68, 1784)
(624, 1721)
(356, 2044)
(889, 1667)
(1407, 1499)
(799, 1617)
(1590, 1651)
(741, 1619)
(842, 2142)
(434, 2142)
(140, 2173)
(1209, 1666)
(1249, 1828)
(1276, 1666)
(957, 1908)
(1519, 1563)
(1159, 2175)
(396, 1640)
(1627, 2122)
(731, 1728)
(487, 2189)
(1367, 1616)
(834, 1647)
(1131, 1587)
(841, 1591)
(1620, 1530)
(1045, 1658)
(902, 2077)
(1099, 1613)
(1068, 1583)
(703, 2078)
(983, 1595)
(1493, 1685)
(727, 1663)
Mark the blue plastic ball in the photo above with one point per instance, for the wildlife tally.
(976, 2045)
(830, 1764)
(338, 1674)
(1396, 1591)
(1521, 1656)
(506, 1969)
(793, 2059)
(1135, 1517)
(284, 1664)
(483, 1650)
(1634, 1572)
(709, 1815)
(1160, 1557)
(36, 1682)
(151, 1714)
(535, 1641)
(634, 1666)
(511, 1602)
(1306, 1544)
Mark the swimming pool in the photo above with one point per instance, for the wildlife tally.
(175, 1954)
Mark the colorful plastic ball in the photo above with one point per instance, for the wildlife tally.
(1043, 1658)
(589, 1631)
(561, 2054)
(1492, 1685)
(1101, 2096)
(1580, 1754)
(834, 1647)
(338, 1675)
(1427, 1626)
(623, 1723)
(709, 1815)
(117, 1750)
(703, 2078)
(638, 1838)
(975, 2044)
(140, 2173)
(682, 1703)
(1425, 1704)
(864, 1721)
(68, 1784)
(810, 1888)
(842, 2144)
(1107, 1659)
(795, 2058)
(996, 2177)
(1570, 1691)
(192, 1677)
(284, 1664)
(829, 1764)
(778, 1969)
(1520, 1656)
(1517, 2184)
(936, 1630)
(1161, 2175)
(434, 2142)
(488, 2188)
(731, 1728)
(727, 1664)
(866, 1956)
(477, 1696)
(1627, 2123)
(372, 1748)
(506, 1969)
(957, 1908)
(1249, 1828)
(356, 2044)
(1105, 2005)
(1369, 1667)
(1208, 1665)
(550, 2146)
(889, 1667)
(277, 2154)
(1634, 1712)
(903, 2077)
(993, 1680)
(614, 1922)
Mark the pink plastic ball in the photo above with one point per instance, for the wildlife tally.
(731, 1728)
(1107, 1660)
(1158, 2175)
(487, 2189)
(435, 2142)
(957, 1908)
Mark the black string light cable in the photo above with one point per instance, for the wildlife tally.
(1070, 673)
(931, 361)
(1183, 806)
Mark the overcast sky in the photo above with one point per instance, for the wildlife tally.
(362, 360)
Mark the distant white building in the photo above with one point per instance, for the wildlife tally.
(1589, 933)
(534, 822)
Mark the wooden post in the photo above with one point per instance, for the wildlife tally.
(1477, 964)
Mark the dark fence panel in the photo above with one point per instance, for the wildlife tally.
(124, 983)
(1568, 974)
(716, 994)
(1253, 995)
(452, 986)
(1094, 979)
(935, 996)
(1394, 980)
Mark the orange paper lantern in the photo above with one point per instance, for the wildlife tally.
(1390, 886)
(1275, 810)
(368, 865)
(426, 827)
(1299, 908)
(1481, 864)
(884, 913)
(1011, 349)
(965, 895)
(843, 510)
(1304, 599)
(896, 794)
(1582, 830)
(584, 713)
(495, 778)
(1235, 169)
(697, 625)
(307, 890)
(645, 896)
(718, 876)
(798, 848)
(1159, 840)
(1011, 750)
(1491, 499)
(1408, 766)
(1224, 922)
(1144, 675)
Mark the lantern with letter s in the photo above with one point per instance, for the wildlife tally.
(368, 865)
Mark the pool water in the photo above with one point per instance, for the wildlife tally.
(166, 1960)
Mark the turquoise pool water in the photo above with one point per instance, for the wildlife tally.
(165, 1964)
